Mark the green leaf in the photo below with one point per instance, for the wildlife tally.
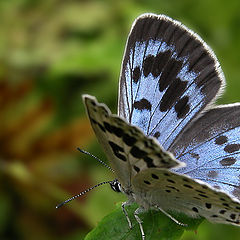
(155, 224)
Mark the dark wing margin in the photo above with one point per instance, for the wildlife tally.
(169, 75)
(210, 147)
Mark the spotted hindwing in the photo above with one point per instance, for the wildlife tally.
(126, 147)
(211, 148)
(180, 193)
(169, 75)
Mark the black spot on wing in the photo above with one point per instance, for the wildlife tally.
(143, 104)
(182, 107)
(228, 161)
(149, 144)
(98, 124)
(185, 179)
(232, 148)
(212, 174)
(203, 195)
(159, 62)
(174, 91)
(137, 152)
(117, 131)
(208, 205)
(166, 174)
(223, 199)
(112, 129)
(172, 188)
(169, 74)
(137, 169)
(93, 120)
(197, 190)
(129, 140)
(222, 211)
(171, 181)
(156, 134)
(197, 198)
(225, 204)
(155, 65)
(136, 74)
(195, 209)
(101, 127)
(108, 127)
(149, 162)
(221, 140)
(155, 176)
(92, 102)
(147, 182)
(116, 150)
(147, 65)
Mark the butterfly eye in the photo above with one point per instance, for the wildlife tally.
(116, 186)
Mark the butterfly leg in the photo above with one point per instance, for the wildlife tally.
(137, 211)
(171, 217)
(124, 204)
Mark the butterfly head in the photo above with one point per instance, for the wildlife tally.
(116, 185)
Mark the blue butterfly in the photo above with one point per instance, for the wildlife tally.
(169, 146)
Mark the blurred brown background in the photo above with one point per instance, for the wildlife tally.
(51, 52)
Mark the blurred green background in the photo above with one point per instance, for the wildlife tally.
(51, 52)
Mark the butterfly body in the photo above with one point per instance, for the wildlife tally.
(168, 146)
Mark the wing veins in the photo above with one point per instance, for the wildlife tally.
(126, 90)
(152, 113)
(186, 43)
(215, 159)
(202, 143)
(177, 124)
(216, 120)
(216, 181)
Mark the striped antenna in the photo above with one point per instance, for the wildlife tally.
(82, 193)
(103, 163)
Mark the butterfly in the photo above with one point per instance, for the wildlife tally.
(170, 147)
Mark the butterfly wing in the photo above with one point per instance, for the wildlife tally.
(211, 148)
(180, 193)
(168, 76)
(127, 148)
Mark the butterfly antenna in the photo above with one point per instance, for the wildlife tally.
(88, 153)
(82, 193)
